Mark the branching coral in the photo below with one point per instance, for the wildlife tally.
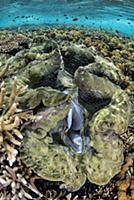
(13, 45)
(9, 47)
(10, 120)
(13, 184)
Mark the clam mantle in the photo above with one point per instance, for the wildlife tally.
(80, 109)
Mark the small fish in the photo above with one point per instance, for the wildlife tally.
(116, 31)
(75, 19)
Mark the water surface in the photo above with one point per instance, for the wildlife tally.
(115, 15)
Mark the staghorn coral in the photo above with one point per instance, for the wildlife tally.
(13, 178)
(10, 120)
(15, 182)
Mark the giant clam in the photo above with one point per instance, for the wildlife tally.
(78, 136)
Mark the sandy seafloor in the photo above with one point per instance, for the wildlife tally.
(113, 46)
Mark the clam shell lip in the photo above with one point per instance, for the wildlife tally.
(73, 124)
(69, 118)
(75, 142)
(75, 116)
(75, 119)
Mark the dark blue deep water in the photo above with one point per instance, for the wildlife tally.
(115, 15)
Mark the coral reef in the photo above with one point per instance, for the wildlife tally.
(127, 180)
(12, 180)
(15, 182)
(68, 119)
(10, 120)
(11, 45)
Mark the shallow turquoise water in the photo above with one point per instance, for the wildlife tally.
(115, 15)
